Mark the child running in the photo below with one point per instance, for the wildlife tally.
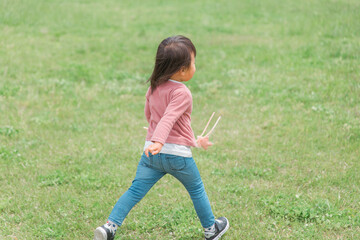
(169, 140)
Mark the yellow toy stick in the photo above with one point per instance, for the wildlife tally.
(213, 127)
(208, 125)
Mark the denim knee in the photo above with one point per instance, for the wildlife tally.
(197, 190)
(137, 190)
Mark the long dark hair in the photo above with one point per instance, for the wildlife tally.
(172, 54)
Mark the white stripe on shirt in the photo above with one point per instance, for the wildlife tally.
(175, 81)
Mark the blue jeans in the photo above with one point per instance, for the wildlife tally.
(150, 170)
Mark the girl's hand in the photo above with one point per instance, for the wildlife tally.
(153, 148)
(204, 142)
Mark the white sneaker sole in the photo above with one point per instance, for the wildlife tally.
(100, 234)
(223, 231)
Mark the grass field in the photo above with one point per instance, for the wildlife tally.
(284, 75)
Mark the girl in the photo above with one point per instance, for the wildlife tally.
(169, 137)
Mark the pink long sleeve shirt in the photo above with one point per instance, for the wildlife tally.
(168, 112)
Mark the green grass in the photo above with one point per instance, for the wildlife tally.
(284, 75)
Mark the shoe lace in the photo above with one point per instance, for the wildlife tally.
(108, 226)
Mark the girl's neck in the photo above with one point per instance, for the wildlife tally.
(177, 77)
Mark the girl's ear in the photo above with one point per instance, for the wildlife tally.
(183, 70)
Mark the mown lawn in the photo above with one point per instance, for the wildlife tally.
(284, 76)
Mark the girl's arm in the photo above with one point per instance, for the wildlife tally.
(180, 101)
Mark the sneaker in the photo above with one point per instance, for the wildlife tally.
(221, 226)
(104, 233)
